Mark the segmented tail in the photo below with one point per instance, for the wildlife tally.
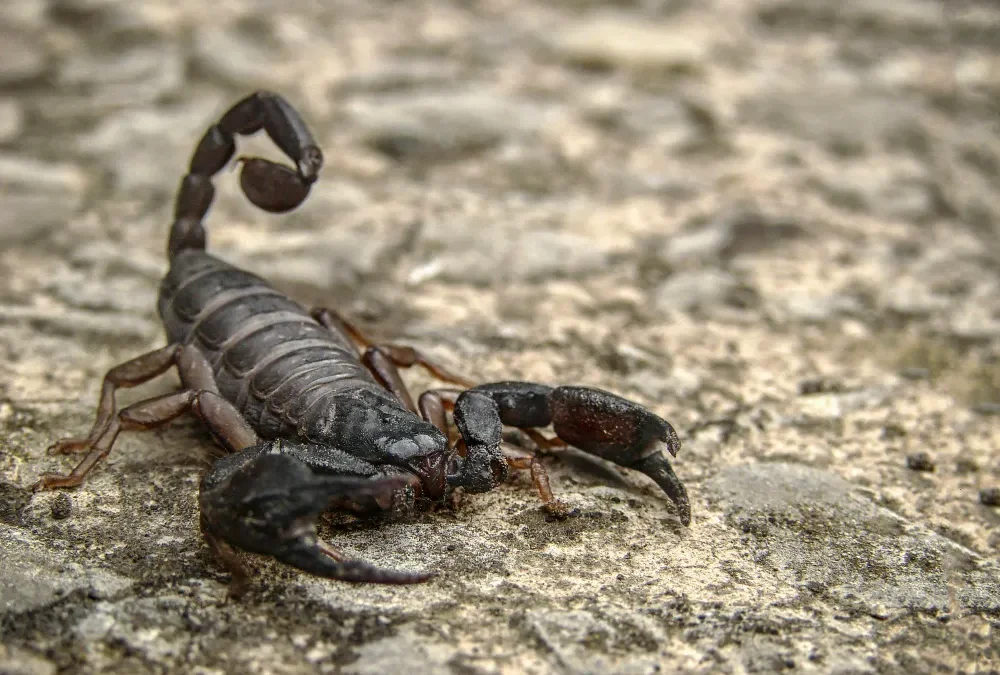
(273, 187)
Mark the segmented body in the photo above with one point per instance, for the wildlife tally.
(276, 364)
(339, 430)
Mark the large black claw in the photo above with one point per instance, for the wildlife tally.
(658, 468)
(307, 556)
(269, 504)
(623, 432)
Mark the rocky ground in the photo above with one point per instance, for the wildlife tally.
(775, 222)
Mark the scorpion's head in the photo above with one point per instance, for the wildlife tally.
(424, 452)
(403, 440)
(477, 465)
(373, 428)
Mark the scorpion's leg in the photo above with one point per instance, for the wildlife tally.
(519, 458)
(433, 405)
(400, 356)
(129, 374)
(201, 397)
(267, 498)
(230, 560)
(386, 372)
(592, 420)
(270, 186)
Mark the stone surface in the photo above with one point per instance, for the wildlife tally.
(11, 120)
(22, 57)
(37, 195)
(809, 529)
(35, 576)
(426, 127)
(244, 53)
(612, 40)
(773, 222)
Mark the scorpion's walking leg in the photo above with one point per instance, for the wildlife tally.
(433, 405)
(592, 420)
(518, 458)
(202, 398)
(270, 186)
(129, 374)
(383, 359)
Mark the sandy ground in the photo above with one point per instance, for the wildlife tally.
(774, 222)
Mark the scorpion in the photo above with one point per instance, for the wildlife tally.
(312, 413)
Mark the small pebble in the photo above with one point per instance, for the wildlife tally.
(990, 496)
(818, 385)
(443, 126)
(24, 59)
(915, 374)
(13, 499)
(919, 461)
(62, 506)
(965, 465)
(816, 586)
(11, 120)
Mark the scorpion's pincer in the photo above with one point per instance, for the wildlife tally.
(268, 503)
(484, 467)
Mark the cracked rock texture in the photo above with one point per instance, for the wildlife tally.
(774, 222)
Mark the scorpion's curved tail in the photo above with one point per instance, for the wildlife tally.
(270, 186)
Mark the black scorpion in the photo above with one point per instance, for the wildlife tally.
(307, 423)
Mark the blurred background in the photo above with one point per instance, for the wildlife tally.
(505, 143)
(775, 222)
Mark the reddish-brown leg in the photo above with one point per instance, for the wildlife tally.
(202, 398)
(230, 560)
(334, 553)
(518, 458)
(402, 356)
(386, 372)
(543, 442)
(433, 405)
(225, 423)
(132, 373)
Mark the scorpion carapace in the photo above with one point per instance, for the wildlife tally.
(309, 420)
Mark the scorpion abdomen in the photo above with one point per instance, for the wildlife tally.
(270, 358)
